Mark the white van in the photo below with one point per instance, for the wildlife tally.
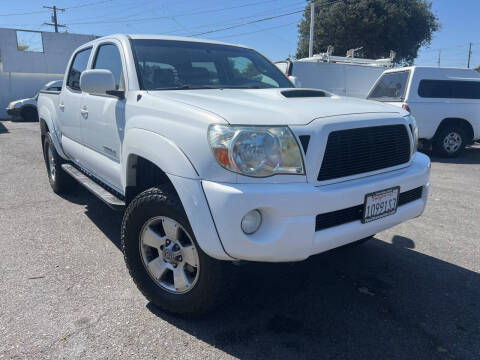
(445, 102)
(344, 76)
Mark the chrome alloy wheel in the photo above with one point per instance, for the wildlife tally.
(452, 142)
(51, 162)
(169, 255)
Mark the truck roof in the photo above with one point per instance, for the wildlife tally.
(160, 37)
(434, 68)
(435, 72)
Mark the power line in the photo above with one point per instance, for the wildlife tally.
(95, 3)
(257, 31)
(226, 22)
(26, 13)
(247, 23)
(261, 20)
(129, 19)
(55, 24)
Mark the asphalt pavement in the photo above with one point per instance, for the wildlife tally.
(413, 292)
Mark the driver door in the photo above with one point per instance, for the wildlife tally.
(104, 120)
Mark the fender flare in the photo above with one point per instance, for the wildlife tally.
(159, 150)
(45, 116)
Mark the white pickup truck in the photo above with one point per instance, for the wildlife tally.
(217, 158)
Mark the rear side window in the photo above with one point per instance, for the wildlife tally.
(79, 64)
(449, 89)
(391, 87)
(108, 58)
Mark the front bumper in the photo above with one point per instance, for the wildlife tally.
(289, 212)
(13, 112)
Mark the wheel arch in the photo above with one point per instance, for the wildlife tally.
(463, 123)
(152, 149)
(142, 173)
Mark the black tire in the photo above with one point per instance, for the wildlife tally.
(60, 181)
(29, 114)
(212, 284)
(440, 143)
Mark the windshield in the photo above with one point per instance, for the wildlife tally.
(390, 87)
(178, 65)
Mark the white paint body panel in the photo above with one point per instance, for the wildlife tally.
(288, 232)
(169, 128)
(429, 112)
(340, 79)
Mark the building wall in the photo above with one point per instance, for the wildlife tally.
(23, 73)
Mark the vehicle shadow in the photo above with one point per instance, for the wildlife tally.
(3, 129)
(471, 155)
(379, 300)
(106, 219)
(374, 301)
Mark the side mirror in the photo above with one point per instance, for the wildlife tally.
(99, 82)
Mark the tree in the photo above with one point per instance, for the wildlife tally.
(377, 26)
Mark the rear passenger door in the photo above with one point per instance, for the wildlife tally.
(70, 97)
(104, 119)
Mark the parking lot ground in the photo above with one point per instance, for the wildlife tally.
(411, 293)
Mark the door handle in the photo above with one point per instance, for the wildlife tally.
(61, 106)
(84, 111)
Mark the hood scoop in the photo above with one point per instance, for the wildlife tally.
(300, 93)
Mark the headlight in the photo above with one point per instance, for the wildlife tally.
(11, 105)
(412, 122)
(257, 151)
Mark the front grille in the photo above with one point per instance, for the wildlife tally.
(357, 151)
(354, 213)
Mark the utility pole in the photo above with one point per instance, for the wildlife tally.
(439, 55)
(312, 16)
(54, 17)
(469, 55)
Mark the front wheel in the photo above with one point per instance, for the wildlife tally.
(450, 141)
(163, 256)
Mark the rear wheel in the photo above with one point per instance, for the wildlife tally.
(450, 141)
(164, 259)
(59, 180)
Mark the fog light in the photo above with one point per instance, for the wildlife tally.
(251, 222)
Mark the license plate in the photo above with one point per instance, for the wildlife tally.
(380, 204)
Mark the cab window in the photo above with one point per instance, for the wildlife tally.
(79, 64)
(108, 58)
(391, 87)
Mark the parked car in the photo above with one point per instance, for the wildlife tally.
(445, 102)
(340, 75)
(27, 108)
(216, 158)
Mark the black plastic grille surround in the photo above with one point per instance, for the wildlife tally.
(356, 151)
(354, 213)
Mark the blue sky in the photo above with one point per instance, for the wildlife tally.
(276, 38)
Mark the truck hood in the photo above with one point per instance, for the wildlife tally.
(271, 107)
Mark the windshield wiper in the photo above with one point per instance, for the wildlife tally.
(185, 87)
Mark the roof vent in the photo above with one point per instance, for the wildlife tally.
(303, 93)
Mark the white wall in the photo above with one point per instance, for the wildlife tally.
(23, 73)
